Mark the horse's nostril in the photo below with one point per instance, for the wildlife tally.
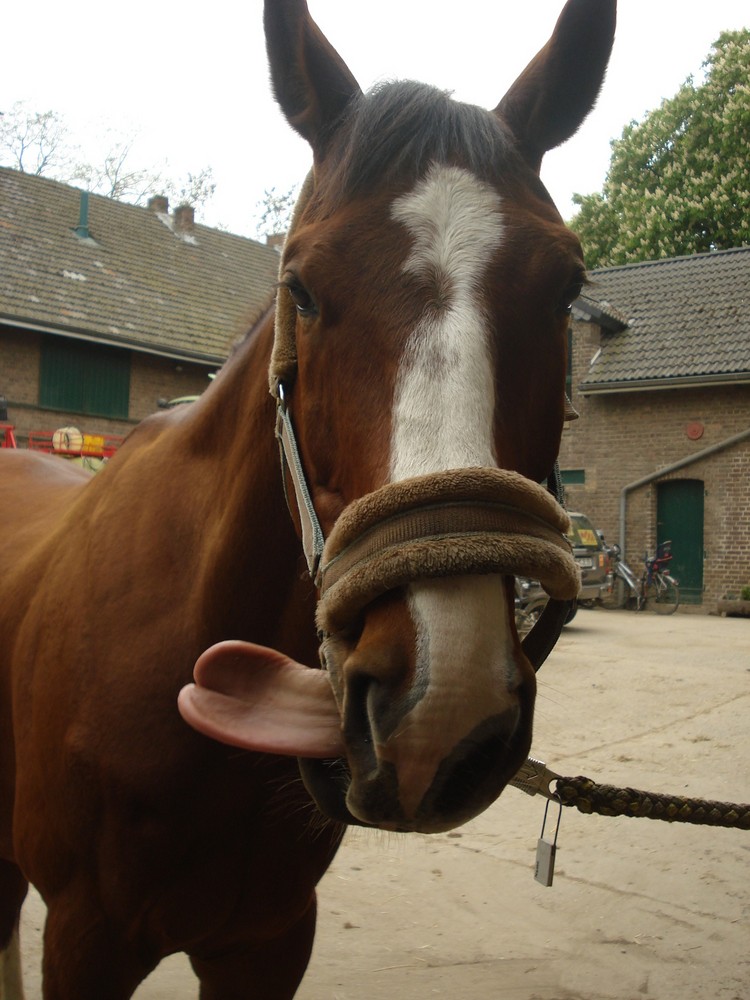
(357, 726)
(479, 766)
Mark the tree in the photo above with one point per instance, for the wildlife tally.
(114, 176)
(33, 142)
(192, 189)
(679, 180)
(39, 143)
(274, 212)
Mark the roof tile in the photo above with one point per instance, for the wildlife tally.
(136, 281)
(686, 317)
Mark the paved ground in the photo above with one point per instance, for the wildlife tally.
(638, 909)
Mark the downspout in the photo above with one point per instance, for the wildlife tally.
(727, 443)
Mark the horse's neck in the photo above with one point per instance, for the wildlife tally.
(218, 497)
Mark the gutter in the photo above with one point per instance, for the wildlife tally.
(668, 382)
(696, 457)
(112, 340)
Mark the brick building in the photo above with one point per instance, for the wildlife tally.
(660, 374)
(107, 308)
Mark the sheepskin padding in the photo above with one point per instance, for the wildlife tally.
(477, 520)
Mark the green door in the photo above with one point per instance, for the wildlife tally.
(679, 517)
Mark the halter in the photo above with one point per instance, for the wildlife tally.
(477, 520)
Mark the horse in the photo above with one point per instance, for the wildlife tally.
(190, 716)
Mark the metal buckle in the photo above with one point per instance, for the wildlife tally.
(535, 778)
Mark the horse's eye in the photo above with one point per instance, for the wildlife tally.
(569, 297)
(303, 301)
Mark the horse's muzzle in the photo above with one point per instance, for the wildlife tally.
(468, 780)
(425, 753)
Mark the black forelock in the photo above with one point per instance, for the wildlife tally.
(394, 132)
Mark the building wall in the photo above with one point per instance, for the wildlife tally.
(151, 378)
(623, 437)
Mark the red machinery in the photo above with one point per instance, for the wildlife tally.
(66, 441)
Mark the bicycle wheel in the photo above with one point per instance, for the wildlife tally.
(621, 596)
(646, 594)
(667, 597)
(662, 595)
(526, 618)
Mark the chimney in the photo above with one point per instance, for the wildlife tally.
(183, 219)
(159, 203)
(276, 240)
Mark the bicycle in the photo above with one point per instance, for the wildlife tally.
(531, 601)
(626, 590)
(658, 589)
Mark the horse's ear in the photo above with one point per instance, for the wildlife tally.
(311, 81)
(553, 95)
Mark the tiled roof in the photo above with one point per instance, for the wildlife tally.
(137, 282)
(688, 321)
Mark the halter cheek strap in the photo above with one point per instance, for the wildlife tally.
(312, 533)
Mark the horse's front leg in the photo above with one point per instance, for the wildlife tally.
(86, 956)
(270, 970)
(13, 888)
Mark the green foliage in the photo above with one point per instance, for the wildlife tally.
(678, 181)
(745, 593)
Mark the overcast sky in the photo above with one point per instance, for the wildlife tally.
(190, 80)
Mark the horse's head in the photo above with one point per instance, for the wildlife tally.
(422, 322)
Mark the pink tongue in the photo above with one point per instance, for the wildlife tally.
(257, 698)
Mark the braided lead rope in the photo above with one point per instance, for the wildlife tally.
(607, 800)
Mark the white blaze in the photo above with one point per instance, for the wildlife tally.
(445, 395)
(443, 419)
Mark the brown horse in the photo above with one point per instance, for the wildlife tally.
(418, 359)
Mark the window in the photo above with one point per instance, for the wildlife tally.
(84, 378)
(573, 477)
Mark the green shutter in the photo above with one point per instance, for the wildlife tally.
(84, 378)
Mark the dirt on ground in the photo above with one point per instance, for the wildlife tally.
(638, 909)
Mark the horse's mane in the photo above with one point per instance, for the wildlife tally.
(392, 133)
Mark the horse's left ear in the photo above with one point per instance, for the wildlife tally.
(553, 95)
(311, 81)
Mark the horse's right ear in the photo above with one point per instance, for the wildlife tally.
(558, 88)
(311, 82)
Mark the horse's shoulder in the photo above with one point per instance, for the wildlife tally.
(36, 492)
(35, 486)
(21, 469)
